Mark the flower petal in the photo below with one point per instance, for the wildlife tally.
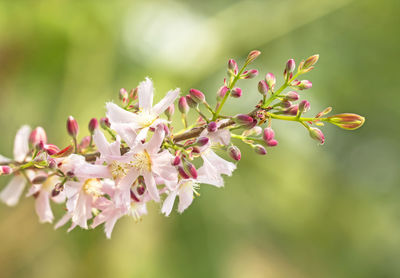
(4, 159)
(185, 196)
(145, 93)
(161, 106)
(21, 143)
(168, 203)
(156, 140)
(12, 192)
(42, 206)
(117, 114)
(151, 186)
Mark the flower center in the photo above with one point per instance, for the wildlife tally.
(118, 169)
(193, 186)
(142, 161)
(92, 187)
(146, 118)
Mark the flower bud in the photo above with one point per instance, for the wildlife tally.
(190, 101)
(285, 103)
(232, 66)
(272, 143)
(253, 131)
(93, 125)
(244, 120)
(292, 110)
(263, 87)
(311, 61)
(105, 123)
(52, 163)
(271, 80)
(183, 105)
(234, 153)
(39, 179)
(301, 85)
(292, 96)
(347, 120)
(5, 170)
(51, 149)
(222, 92)
(259, 149)
(170, 111)
(202, 141)
(304, 106)
(85, 142)
(133, 94)
(197, 96)
(324, 112)
(268, 134)
(176, 161)
(249, 74)
(236, 92)
(290, 66)
(72, 126)
(123, 95)
(182, 173)
(189, 168)
(212, 127)
(252, 56)
(38, 135)
(317, 135)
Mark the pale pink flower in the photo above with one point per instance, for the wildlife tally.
(77, 166)
(12, 192)
(221, 136)
(184, 190)
(133, 127)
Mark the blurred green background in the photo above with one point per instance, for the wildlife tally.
(301, 211)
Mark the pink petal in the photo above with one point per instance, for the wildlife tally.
(21, 143)
(151, 186)
(166, 101)
(42, 206)
(168, 203)
(117, 114)
(12, 192)
(185, 196)
(156, 140)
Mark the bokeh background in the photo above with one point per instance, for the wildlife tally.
(301, 211)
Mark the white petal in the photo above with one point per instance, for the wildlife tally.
(4, 159)
(42, 206)
(127, 131)
(145, 93)
(66, 217)
(122, 195)
(168, 203)
(156, 140)
(166, 101)
(21, 143)
(151, 186)
(12, 192)
(82, 211)
(220, 164)
(185, 196)
(117, 114)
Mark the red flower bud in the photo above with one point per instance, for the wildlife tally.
(272, 143)
(5, 170)
(104, 123)
(249, 74)
(72, 126)
(197, 96)
(236, 93)
(263, 87)
(189, 168)
(212, 127)
(268, 134)
(252, 56)
(304, 106)
(190, 101)
(51, 149)
(244, 120)
(292, 96)
(232, 66)
(183, 105)
(260, 150)
(93, 124)
(222, 92)
(176, 161)
(311, 61)
(202, 141)
(234, 153)
(271, 80)
(182, 173)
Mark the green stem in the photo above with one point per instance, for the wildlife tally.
(295, 118)
(276, 94)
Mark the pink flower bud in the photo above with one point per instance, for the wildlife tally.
(263, 87)
(271, 80)
(183, 105)
(268, 134)
(234, 153)
(285, 103)
(202, 141)
(105, 123)
(252, 56)
(311, 61)
(51, 149)
(304, 106)
(38, 135)
(52, 163)
(170, 111)
(317, 135)
(123, 95)
(290, 66)
(72, 126)
(197, 96)
(236, 92)
(93, 125)
(260, 149)
(249, 74)
(232, 66)
(292, 96)
(189, 168)
(182, 173)
(85, 142)
(5, 170)
(272, 143)
(39, 179)
(245, 120)
(190, 101)
(176, 161)
(347, 120)
(304, 85)
(212, 127)
(324, 112)
(222, 92)
(292, 110)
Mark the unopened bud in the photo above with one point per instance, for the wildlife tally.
(202, 141)
(222, 92)
(52, 163)
(189, 167)
(38, 135)
(271, 80)
(85, 142)
(72, 126)
(285, 103)
(183, 105)
(347, 120)
(263, 87)
(317, 135)
(170, 111)
(252, 56)
(245, 120)
(182, 173)
(259, 149)
(93, 125)
(304, 106)
(292, 110)
(236, 92)
(290, 66)
(191, 102)
(324, 112)
(176, 161)
(232, 66)
(234, 153)
(39, 179)
(301, 85)
(5, 170)
(104, 123)
(249, 74)
(123, 95)
(311, 61)
(268, 134)
(212, 127)
(272, 143)
(197, 96)
(51, 149)
(292, 96)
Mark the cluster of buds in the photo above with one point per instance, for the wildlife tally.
(137, 154)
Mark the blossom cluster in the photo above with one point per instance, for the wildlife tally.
(136, 155)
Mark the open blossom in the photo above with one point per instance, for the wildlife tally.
(133, 127)
(12, 192)
(217, 135)
(184, 190)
